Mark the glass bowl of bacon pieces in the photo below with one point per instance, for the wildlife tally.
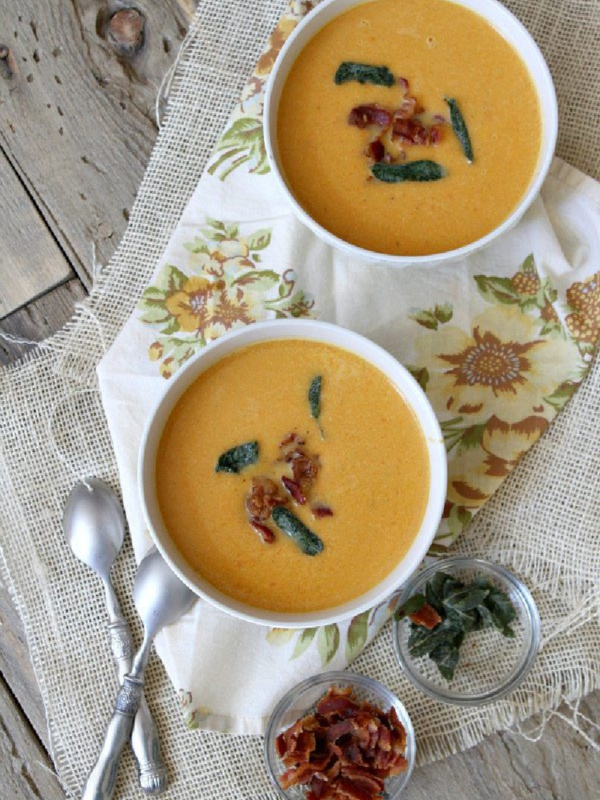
(339, 736)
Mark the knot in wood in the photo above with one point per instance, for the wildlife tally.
(126, 31)
(8, 66)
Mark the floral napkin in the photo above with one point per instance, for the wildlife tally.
(499, 341)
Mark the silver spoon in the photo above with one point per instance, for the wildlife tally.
(160, 599)
(94, 527)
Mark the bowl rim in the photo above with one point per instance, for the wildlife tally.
(292, 329)
(326, 679)
(521, 669)
(549, 117)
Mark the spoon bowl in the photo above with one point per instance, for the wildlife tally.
(160, 598)
(94, 525)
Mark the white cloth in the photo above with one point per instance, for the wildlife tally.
(230, 672)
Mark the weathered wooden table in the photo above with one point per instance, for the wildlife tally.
(78, 85)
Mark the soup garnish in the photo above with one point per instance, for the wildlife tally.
(238, 457)
(314, 400)
(265, 500)
(289, 523)
(422, 170)
(363, 73)
(406, 125)
(449, 610)
(460, 128)
(345, 748)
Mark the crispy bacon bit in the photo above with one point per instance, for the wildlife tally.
(337, 701)
(265, 533)
(262, 498)
(344, 751)
(291, 438)
(403, 84)
(406, 109)
(435, 134)
(294, 489)
(409, 131)
(376, 150)
(370, 114)
(322, 511)
(305, 469)
(426, 616)
(413, 131)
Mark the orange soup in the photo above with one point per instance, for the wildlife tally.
(434, 50)
(355, 465)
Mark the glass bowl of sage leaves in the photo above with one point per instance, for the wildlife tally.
(467, 631)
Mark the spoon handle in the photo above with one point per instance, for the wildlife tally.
(101, 782)
(144, 739)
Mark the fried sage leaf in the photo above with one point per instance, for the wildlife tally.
(238, 457)
(363, 73)
(314, 397)
(459, 127)
(503, 611)
(412, 605)
(289, 523)
(445, 656)
(464, 608)
(314, 401)
(415, 171)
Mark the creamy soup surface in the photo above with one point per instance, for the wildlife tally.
(441, 49)
(374, 474)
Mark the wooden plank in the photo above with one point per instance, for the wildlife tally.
(31, 262)
(16, 668)
(560, 766)
(77, 118)
(39, 319)
(26, 772)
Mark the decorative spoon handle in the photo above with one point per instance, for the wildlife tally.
(101, 783)
(144, 739)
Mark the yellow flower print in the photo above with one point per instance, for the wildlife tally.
(475, 474)
(276, 41)
(192, 305)
(584, 322)
(501, 368)
(230, 312)
(230, 288)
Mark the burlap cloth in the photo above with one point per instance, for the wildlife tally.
(53, 431)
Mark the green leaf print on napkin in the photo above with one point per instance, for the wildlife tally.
(243, 142)
(432, 317)
(221, 288)
(303, 641)
(358, 632)
(328, 641)
(329, 637)
(526, 290)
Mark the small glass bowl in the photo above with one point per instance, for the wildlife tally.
(490, 665)
(301, 700)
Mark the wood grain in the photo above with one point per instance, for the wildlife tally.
(16, 668)
(31, 262)
(26, 772)
(77, 119)
(39, 319)
(560, 766)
